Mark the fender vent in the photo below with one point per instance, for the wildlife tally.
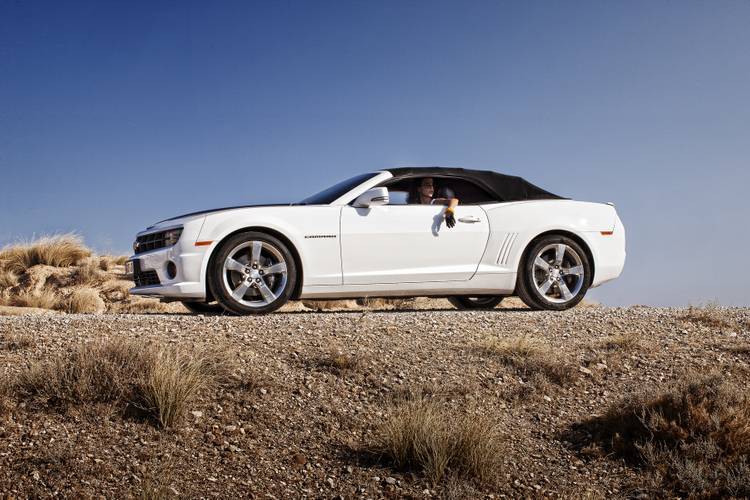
(505, 248)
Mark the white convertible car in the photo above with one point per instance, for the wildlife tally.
(363, 238)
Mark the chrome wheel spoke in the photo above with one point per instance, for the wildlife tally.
(541, 263)
(239, 292)
(259, 281)
(234, 265)
(574, 271)
(255, 255)
(266, 292)
(558, 273)
(275, 269)
(559, 253)
(564, 291)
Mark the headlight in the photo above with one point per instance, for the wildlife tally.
(154, 241)
(171, 236)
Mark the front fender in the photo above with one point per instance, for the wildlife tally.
(312, 230)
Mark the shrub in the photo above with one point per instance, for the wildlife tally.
(7, 279)
(84, 301)
(694, 437)
(530, 357)
(422, 435)
(157, 382)
(58, 251)
(44, 299)
(88, 272)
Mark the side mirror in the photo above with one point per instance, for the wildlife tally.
(372, 197)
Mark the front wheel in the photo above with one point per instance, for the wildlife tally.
(555, 274)
(480, 302)
(252, 273)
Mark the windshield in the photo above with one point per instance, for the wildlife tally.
(337, 190)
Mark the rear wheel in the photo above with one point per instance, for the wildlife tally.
(203, 308)
(555, 275)
(252, 273)
(479, 302)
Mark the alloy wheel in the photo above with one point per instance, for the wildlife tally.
(255, 273)
(558, 273)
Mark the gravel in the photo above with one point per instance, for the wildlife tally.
(298, 427)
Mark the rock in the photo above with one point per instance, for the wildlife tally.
(299, 459)
(390, 480)
(197, 414)
(585, 370)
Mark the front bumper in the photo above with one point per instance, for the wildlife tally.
(187, 259)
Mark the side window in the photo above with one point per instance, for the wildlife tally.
(397, 197)
(467, 192)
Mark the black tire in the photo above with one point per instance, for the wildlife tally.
(530, 275)
(220, 280)
(203, 308)
(479, 302)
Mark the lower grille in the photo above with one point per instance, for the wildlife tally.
(144, 278)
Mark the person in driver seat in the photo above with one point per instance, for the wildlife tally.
(422, 193)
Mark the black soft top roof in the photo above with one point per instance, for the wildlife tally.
(504, 187)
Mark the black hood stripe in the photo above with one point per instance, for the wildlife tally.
(213, 210)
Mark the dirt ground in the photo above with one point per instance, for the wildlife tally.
(315, 387)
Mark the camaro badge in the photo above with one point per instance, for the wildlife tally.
(320, 236)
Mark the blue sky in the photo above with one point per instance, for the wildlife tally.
(116, 114)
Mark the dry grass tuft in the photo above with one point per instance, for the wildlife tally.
(5, 397)
(694, 437)
(622, 342)
(44, 299)
(7, 279)
(531, 358)
(397, 303)
(422, 435)
(738, 347)
(16, 341)
(338, 362)
(83, 301)
(141, 306)
(58, 251)
(118, 260)
(107, 262)
(711, 315)
(174, 379)
(88, 272)
(157, 382)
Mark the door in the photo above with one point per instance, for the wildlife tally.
(411, 243)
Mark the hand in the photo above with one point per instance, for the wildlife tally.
(450, 219)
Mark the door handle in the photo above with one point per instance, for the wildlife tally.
(469, 220)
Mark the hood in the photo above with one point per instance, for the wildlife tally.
(215, 210)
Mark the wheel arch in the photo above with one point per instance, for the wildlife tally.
(271, 232)
(561, 232)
